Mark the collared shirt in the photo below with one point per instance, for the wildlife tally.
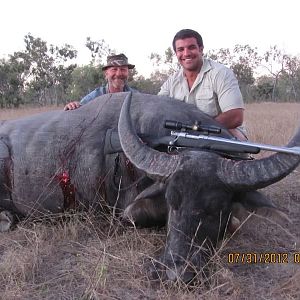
(101, 91)
(214, 91)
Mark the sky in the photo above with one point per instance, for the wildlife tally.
(138, 28)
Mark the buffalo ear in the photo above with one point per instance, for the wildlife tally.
(252, 200)
(149, 208)
(154, 190)
(259, 203)
(147, 212)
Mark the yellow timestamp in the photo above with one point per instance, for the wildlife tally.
(263, 258)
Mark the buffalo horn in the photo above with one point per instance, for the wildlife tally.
(143, 157)
(256, 174)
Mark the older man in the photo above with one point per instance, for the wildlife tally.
(116, 73)
(211, 86)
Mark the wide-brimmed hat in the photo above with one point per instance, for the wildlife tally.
(117, 61)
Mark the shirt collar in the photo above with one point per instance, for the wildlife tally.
(205, 68)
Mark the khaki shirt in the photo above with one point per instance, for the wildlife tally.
(215, 89)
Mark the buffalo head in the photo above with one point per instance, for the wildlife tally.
(199, 189)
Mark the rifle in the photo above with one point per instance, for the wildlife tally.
(215, 143)
(200, 138)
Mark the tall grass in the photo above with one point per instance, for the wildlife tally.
(272, 123)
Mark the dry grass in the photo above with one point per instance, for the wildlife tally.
(272, 123)
(9, 114)
(86, 258)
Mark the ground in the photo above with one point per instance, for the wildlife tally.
(81, 257)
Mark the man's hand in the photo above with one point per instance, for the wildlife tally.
(72, 105)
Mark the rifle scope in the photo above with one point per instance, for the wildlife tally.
(176, 125)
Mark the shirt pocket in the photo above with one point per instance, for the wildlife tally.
(205, 101)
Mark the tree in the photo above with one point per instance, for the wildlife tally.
(222, 55)
(83, 80)
(49, 68)
(165, 65)
(274, 61)
(167, 62)
(98, 49)
(11, 83)
(150, 85)
(264, 88)
(291, 77)
(46, 71)
(243, 60)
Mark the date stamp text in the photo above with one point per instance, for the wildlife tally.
(263, 258)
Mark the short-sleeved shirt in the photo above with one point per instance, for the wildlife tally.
(101, 91)
(215, 89)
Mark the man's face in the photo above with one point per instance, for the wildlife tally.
(117, 76)
(189, 54)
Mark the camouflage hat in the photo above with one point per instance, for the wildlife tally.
(117, 61)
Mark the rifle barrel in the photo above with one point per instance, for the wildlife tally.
(292, 150)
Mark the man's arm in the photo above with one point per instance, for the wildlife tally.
(165, 89)
(229, 96)
(231, 118)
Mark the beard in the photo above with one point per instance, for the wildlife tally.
(117, 82)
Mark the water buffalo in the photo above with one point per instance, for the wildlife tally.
(54, 161)
(57, 160)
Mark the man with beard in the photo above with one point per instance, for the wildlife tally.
(211, 86)
(116, 73)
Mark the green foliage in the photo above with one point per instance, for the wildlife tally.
(41, 73)
(264, 88)
(49, 74)
(244, 73)
(11, 83)
(146, 85)
(44, 73)
(84, 80)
